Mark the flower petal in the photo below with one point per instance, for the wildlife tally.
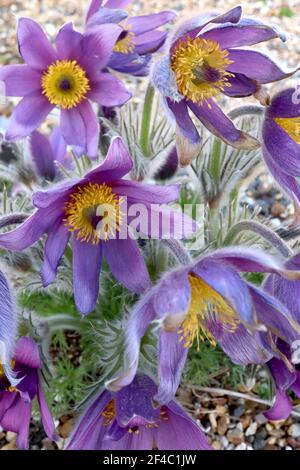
(58, 237)
(8, 327)
(144, 23)
(42, 155)
(117, 3)
(146, 193)
(127, 264)
(282, 407)
(17, 419)
(46, 416)
(19, 80)
(149, 42)
(240, 86)
(284, 104)
(68, 43)
(27, 353)
(28, 115)
(108, 91)
(34, 46)
(106, 15)
(213, 118)
(87, 260)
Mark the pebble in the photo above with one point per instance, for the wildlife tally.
(222, 425)
(10, 436)
(251, 430)
(294, 430)
(241, 446)
(235, 436)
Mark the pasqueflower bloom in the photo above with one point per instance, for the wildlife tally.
(281, 141)
(67, 76)
(139, 39)
(8, 329)
(204, 60)
(46, 151)
(285, 370)
(207, 300)
(16, 402)
(127, 420)
(92, 212)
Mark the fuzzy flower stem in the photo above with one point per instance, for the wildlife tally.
(178, 251)
(12, 219)
(146, 120)
(261, 230)
(245, 110)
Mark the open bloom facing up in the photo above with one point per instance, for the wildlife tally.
(286, 375)
(67, 76)
(45, 152)
(206, 58)
(92, 212)
(208, 300)
(140, 36)
(127, 420)
(281, 142)
(16, 402)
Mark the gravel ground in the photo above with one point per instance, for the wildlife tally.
(231, 422)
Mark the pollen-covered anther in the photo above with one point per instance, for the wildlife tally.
(291, 126)
(65, 84)
(93, 213)
(206, 305)
(108, 413)
(200, 67)
(125, 44)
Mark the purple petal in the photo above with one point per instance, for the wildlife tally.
(42, 155)
(213, 118)
(59, 146)
(256, 66)
(172, 357)
(31, 230)
(28, 115)
(34, 46)
(284, 105)
(46, 416)
(281, 409)
(94, 6)
(241, 86)
(108, 91)
(149, 42)
(86, 271)
(172, 295)
(27, 353)
(227, 282)
(178, 431)
(19, 80)
(106, 15)
(117, 3)
(58, 237)
(8, 327)
(127, 264)
(283, 149)
(245, 33)
(130, 63)
(146, 193)
(145, 23)
(68, 43)
(17, 419)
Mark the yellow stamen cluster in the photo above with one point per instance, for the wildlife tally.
(192, 62)
(88, 204)
(291, 126)
(205, 305)
(65, 84)
(126, 44)
(108, 413)
(2, 376)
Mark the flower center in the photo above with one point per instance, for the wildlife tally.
(108, 413)
(65, 84)
(5, 386)
(93, 213)
(291, 126)
(206, 305)
(200, 69)
(125, 44)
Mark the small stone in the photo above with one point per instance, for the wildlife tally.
(259, 443)
(251, 429)
(10, 446)
(272, 440)
(235, 436)
(224, 441)
(10, 436)
(262, 433)
(245, 420)
(66, 428)
(213, 421)
(260, 419)
(294, 430)
(288, 448)
(293, 443)
(216, 445)
(239, 411)
(241, 446)
(277, 209)
(222, 425)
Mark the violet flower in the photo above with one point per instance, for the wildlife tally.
(71, 210)
(206, 58)
(208, 300)
(281, 142)
(16, 402)
(139, 39)
(67, 76)
(47, 151)
(127, 420)
(285, 370)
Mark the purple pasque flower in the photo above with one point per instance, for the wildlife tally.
(68, 76)
(92, 212)
(128, 420)
(139, 39)
(206, 58)
(16, 402)
(208, 300)
(281, 142)
(285, 368)
(8, 329)
(46, 152)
